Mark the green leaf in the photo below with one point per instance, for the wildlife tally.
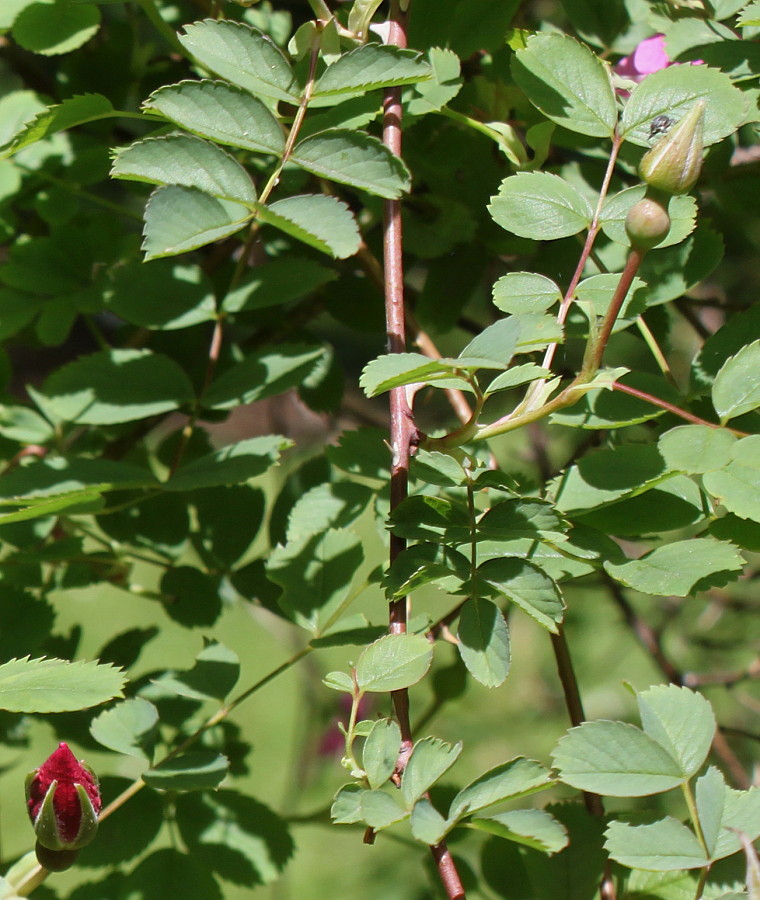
(315, 574)
(517, 778)
(568, 83)
(750, 17)
(426, 563)
(528, 586)
(130, 727)
(55, 685)
(516, 376)
(520, 517)
(737, 385)
(540, 206)
(525, 292)
(673, 92)
(232, 464)
(242, 55)
(615, 759)
(188, 161)
(339, 681)
(328, 505)
(325, 223)
(381, 751)
(681, 568)
(727, 341)
(682, 211)
(262, 374)
(117, 386)
(497, 342)
(483, 641)
(740, 818)
(178, 219)
(369, 67)
(353, 158)
(277, 282)
(360, 16)
(214, 675)
(51, 27)
(430, 759)
(398, 369)
(74, 111)
(426, 518)
(197, 771)
(710, 796)
(663, 846)
(393, 662)
(696, 449)
(165, 872)
(682, 723)
(616, 409)
(161, 295)
(608, 475)
(17, 423)
(737, 483)
(428, 825)
(529, 827)
(220, 112)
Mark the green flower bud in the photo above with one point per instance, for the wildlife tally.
(674, 163)
(647, 223)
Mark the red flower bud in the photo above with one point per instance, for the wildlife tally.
(63, 798)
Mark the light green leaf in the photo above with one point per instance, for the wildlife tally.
(540, 206)
(615, 759)
(242, 55)
(430, 759)
(130, 727)
(221, 112)
(426, 563)
(117, 386)
(360, 15)
(325, 223)
(681, 568)
(682, 723)
(74, 111)
(161, 295)
(381, 751)
(55, 685)
(428, 825)
(568, 83)
(370, 67)
(315, 574)
(750, 16)
(379, 810)
(262, 374)
(710, 795)
(737, 385)
(18, 423)
(483, 641)
(182, 159)
(529, 827)
(525, 292)
(393, 662)
(682, 211)
(50, 27)
(339, 681)
(696, 449)
(356, 159)
(741, 817)
(664, 846)
(517, 778)
(346, 808)
(497, 342)
(515, 376)
(520, 517)
(197, 771)
(673, 92)
(178, 219)
(525, 584)
(445, 84)
(737, 484)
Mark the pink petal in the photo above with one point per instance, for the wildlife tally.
(650, 55)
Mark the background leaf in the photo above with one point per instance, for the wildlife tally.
(55, 685)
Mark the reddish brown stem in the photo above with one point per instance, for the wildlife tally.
(663, 404)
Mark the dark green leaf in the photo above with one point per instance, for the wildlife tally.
(370, 67)
(325, 223)
(541, 206)
(483, 640)
(232, 464)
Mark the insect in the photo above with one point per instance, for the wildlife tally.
(660, 125)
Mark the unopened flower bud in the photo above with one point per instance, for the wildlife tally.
(674, 163)
(63, 799)
(647, 223)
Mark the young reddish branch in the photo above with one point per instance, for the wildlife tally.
(402, 430)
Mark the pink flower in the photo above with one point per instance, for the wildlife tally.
(650, 56)
(63, 799)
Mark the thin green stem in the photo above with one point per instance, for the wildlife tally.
(694, 816)
(654, 349)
